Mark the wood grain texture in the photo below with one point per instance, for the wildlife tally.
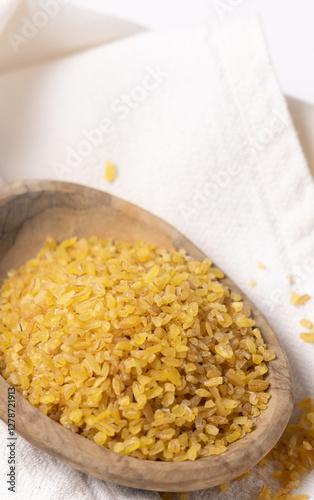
(32, 210)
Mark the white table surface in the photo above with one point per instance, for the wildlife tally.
(288, 27)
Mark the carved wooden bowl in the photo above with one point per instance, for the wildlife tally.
(32, 210)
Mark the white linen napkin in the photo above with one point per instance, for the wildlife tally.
(196, 123)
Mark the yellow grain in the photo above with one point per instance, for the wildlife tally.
(307, 337)
(110, 171)
(306, 323)
(297, 300)
(137, 348)
(261, 265)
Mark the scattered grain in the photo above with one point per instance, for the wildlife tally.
(110, 171)
(307, 337)
(297, 300)
(306, 323)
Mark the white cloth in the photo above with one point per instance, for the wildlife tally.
(196, 123)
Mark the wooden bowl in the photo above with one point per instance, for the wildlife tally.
(32, 210)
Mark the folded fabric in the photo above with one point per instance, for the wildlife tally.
(197, 126)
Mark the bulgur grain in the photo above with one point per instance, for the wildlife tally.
(140, 349)
(110, 171)
(306, 323)
(297, 300)
(307, 337)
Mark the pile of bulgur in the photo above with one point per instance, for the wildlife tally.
(140, 349)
